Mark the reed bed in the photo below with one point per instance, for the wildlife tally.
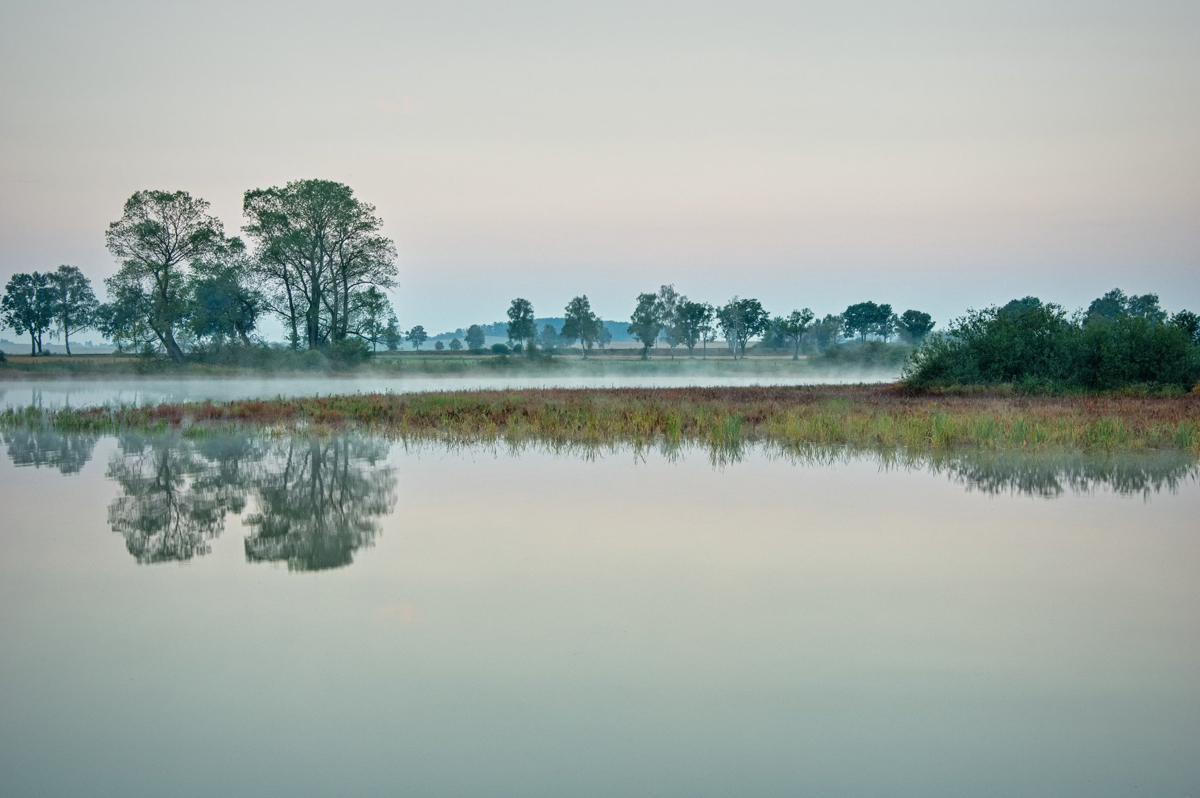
(789, 418)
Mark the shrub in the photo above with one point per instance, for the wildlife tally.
(500, 349)
(348, 351)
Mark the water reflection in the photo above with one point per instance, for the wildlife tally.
(319, 501)
(316, 501)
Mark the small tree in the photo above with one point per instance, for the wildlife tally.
(827, 332)
(392, 337)
(580, 324)
(371, 311)
(1188, 322)
(915, 325)
(455, 345)
(885, 322)
(223, 302)
(794, 327)
(28, 307)
(475, 338)
(74, 302)
(691, 321)
(603, 334)
(417, 336)
(438, 345)
(645, 323)
(548, 339)
(741, 320)
(521, 326)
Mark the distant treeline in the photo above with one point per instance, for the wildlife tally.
(1119, 341)
(674, 320)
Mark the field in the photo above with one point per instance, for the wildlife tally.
(789, 418)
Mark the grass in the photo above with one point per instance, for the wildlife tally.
(791, 419)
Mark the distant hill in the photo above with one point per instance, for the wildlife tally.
(499, 330)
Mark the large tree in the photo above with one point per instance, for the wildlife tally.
(580, 324)
(28, 307)
(915, 325)
(417, 336)
(794, 327)
(318, 247)
(862, 319)
(521, 326)
(74, 302)
(741, 320)
(692, 319)
(157, 237)
(646, 322)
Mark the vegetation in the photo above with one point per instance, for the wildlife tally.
(790, 418)
(1118, 342)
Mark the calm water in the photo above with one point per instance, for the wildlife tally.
(149, 390)
(294, 617)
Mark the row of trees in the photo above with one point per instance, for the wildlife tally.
(671, 318)
(317, 261)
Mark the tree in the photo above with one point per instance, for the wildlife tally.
(740, 320)
(1188, 322)
(1115, 305)
(417, 336)
(475, 338)
(669, 301)
(548, 338)
(646, 322)
(317, 247)
(864, 318)
(125, 318)
(371, 313)
(158, 235)
(392, 337)
(915, 325)
(28, 307)
(794, 327)
(691, 320)
(223, 303)
(439, 346)
(603, 334)
(580, 324)
(885, 322)
(455, 345)
(827, 331)
(74, 302)
(521, 326)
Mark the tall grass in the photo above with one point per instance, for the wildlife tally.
(724, 419)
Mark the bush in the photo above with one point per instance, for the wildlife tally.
(348, 352)
(1035, 347)
(867, 355)
(500, 349)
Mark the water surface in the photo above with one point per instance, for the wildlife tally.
(349, 616)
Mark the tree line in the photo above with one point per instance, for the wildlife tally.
(316, 260)
(674, 320)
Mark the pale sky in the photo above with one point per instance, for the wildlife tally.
(932, 155)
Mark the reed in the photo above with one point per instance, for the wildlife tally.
(790, 418)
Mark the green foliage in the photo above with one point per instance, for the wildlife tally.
(1189, 323)
(438, 345)
(348, 352)
(580, 323)
(794, 327)
(521, 326)
(646, 322)
(915, 325)
(1035, 346)
(740, 320)
(475, 338)
(868, 318)
(500, 349)
(417, 336)
(455, 345)
(75, 303)
(28, 307)
(692, 321)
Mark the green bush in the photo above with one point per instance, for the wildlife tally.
(1035, 347)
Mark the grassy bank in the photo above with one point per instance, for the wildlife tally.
(790, 418)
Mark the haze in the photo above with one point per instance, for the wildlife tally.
(938, 156)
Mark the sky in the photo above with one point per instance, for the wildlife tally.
(932, 155)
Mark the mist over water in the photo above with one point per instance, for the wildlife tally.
(79, 392)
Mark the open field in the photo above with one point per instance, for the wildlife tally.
(790, 418)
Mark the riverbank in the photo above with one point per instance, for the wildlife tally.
(791, 418)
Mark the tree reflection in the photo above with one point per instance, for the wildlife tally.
(319, 502)
(68, 452)
(175, 498)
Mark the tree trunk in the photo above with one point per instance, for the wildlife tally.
(32, 343)
(173, 348)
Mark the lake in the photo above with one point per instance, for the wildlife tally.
(277, 616)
